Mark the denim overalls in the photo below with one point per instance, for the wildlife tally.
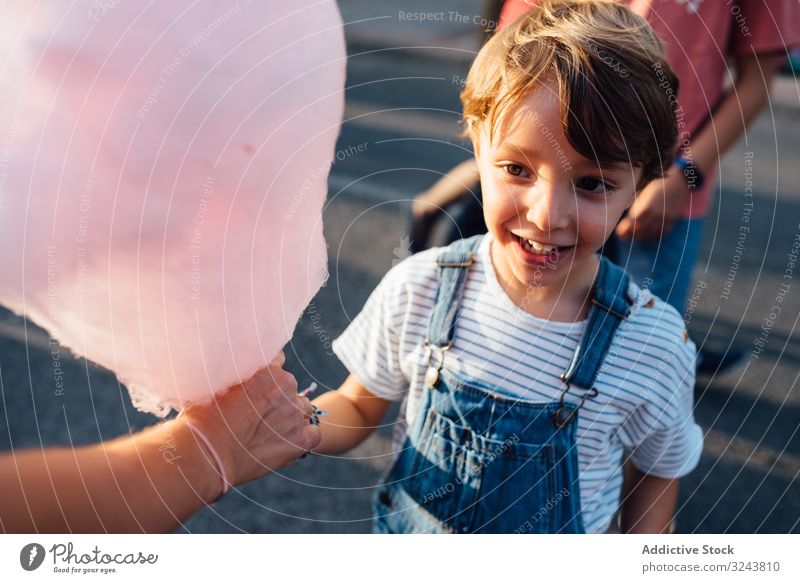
(475, 461)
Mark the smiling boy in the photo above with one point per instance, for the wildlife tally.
(531, 365)
(547, 224)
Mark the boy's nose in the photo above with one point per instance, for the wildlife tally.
(550, 206)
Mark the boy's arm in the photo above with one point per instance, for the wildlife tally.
(353, 413)
(648, 502)
(660, 202)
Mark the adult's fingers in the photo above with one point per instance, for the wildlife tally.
(304, 404)
(648, 228)
(286, 383)
(306, 438)
(624, 228)
(276, 378)
(313, 436)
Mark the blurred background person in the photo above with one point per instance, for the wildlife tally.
(726, 55)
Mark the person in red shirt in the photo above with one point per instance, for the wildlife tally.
(725, 53)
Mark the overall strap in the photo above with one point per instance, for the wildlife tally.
(454, 263)
(610, 306)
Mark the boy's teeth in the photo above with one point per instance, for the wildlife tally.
(539, 247)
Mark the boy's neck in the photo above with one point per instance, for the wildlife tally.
(569, 301)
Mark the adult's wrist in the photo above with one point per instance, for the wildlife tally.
(209, 464)
(691, 173)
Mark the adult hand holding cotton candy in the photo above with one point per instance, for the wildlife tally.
(155, 479)
(259, 429)
(163, 174)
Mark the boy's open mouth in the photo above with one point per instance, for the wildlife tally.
(537, 252)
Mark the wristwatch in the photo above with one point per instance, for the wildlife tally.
(694, 177)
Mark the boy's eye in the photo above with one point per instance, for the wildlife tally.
(594, 185)
(516, 169)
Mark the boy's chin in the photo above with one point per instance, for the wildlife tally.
(570, 266)
(541, 279)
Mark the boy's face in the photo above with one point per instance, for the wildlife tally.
(548, 208)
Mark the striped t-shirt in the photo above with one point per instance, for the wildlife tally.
(645, 385)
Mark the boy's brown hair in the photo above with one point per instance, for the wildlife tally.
(617, 91)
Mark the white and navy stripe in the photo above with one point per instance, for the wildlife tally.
(645, 386)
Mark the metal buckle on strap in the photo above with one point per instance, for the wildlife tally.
(468, 263)
(609, 309)
(433, 373)
(426, 343)
(562, 417)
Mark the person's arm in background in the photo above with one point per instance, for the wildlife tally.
(451, 187)
(462, 178)
(659, 204)
(353, 414)
(154, 480)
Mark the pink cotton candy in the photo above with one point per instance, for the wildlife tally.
(163, 167)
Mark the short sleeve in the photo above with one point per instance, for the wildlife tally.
(763, 27)
(660, 432)
(668, 441)
(370, 346)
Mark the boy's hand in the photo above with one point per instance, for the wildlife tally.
(353, 414)
(655, 210)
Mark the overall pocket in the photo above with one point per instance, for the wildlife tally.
(395, 512)
(449, 480)
(519, 490)
(441, 472)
